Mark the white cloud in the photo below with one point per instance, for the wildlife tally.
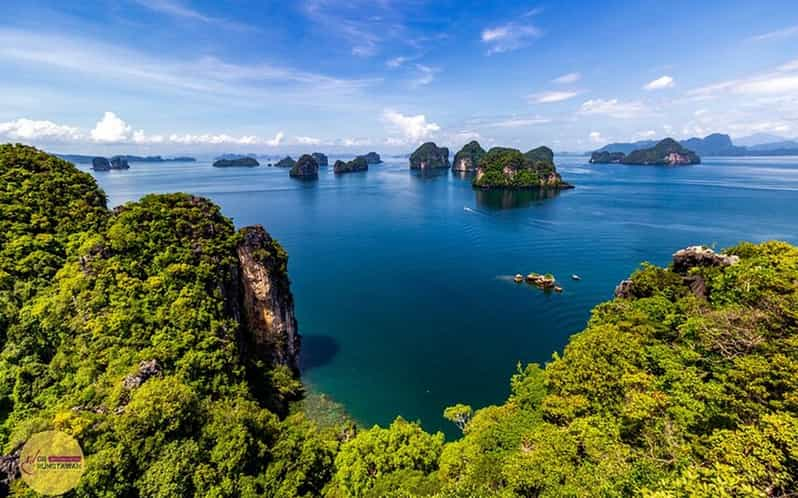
(414, 128)
(510, 36)
(111, 129)
(781, 33)
(613, 108)
(789, 66)
(38, 131)
(660, 83)
(396, 62)
(426, 75)
(307, 140)
(177, 9)
(277, 140)
(643, 135)
(551, 97)
(595, 137)
(567, 78)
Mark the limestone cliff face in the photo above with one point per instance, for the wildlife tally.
(267, 305)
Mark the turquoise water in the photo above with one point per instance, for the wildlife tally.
(403, 282)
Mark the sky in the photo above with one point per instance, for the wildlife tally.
(199, 76)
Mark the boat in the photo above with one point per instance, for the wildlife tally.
(575, 277)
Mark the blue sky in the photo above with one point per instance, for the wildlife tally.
(176, 76)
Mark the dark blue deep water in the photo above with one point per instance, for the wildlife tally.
(403, 282)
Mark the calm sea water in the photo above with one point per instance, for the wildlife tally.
(403, 282)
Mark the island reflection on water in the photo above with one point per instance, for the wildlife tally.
(512, 199)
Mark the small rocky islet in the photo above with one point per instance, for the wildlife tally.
(305, 167)
(545, 282)
(506, 168)
(667, 152)
(360, 163)
(103, 164)
(321, 159)
(468, 157)
(429, 156)
(286, 162)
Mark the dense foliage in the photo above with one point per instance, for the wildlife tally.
(503, 167)
(468, 157)
(357, 164)
(659, 154)
(119, 331)
(248, 162)
(429, 155)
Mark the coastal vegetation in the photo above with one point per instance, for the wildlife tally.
(357, 164)
(306, 167)
(164, 341)
(468, 157)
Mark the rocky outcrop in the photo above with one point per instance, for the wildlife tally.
(505, 168)
(118, 162)
(429, 155)
(100, 164)
(372, 158)
(306, 168)
(9, 470)
(147, 369)
(697, 256)
(243, 162)
(267, 305)
(684, 260)
(467, 159)
(321, 159)
(357, 164)
(286, 162)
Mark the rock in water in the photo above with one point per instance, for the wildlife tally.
(667, 152)
(248, 162)
(100, 164)
(321, 159)
(372, 158)
(118, 162)
(286, 162)
(357, 164)
(267, 302)
(604, 157)
(504, 168)
(306, 167)
(468, 158)
(429, 155)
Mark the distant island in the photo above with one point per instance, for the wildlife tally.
(246, 162)
(286, 162)
(505, 168)
(84, 159)
(305, 168)
(468, 157)
(716, 144)
(320, 158)
(357, 164)
(103, 164)
(429, 155)
(372, 158)
(667, 152)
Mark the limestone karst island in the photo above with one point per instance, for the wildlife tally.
(398, 249)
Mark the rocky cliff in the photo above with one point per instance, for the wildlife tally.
(505, 168)
(468, 157)
(267, 305)
(429, 155)
(286, 162)
(320, 158)
(357, 164)
(372, 158)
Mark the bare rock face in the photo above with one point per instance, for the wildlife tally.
(267, 303)
(9, 470)
(624, 289)
(691, 257)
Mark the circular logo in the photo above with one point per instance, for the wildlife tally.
(51, 462)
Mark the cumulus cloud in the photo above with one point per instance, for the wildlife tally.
(413, 128)
(660, 83)
(551, 97)
(426, 75)
(111, 129)
(35, 131)
(595, 137)
(567, 78)
(517, 122)
(396, 62)
(510, 36)
(613, 108)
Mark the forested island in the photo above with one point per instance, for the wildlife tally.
(357, 164)
(503, 167)
(667, 152)
(84, 159)
(165, 342)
